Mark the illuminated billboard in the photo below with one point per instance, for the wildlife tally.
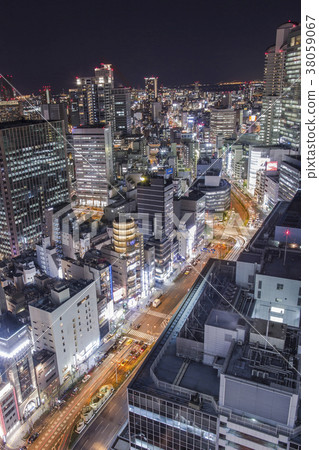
(272, 166)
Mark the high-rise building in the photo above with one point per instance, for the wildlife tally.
(155, 209)
(275, 79)
(289, 177)
(122, 110)
(104, 80)
(190, 212)
(55, 111)
(264, 158)
(156, 112)
(151, 87)
(66, 323)
(222, 122)
(271, 190)
(270, 120)
(291, 101)
(125, 255)
(155, 200)
(92, 100)
(93, 159)
(275, 61)
(34, 178)
(46, 95)
(94, 267)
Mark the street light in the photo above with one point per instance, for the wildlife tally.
(287, 233)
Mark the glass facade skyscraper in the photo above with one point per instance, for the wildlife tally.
(33, 178)
(92, 100)
(280, 69)
(93, 164)
(291, 101)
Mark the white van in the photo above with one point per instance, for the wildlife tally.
(156, 303)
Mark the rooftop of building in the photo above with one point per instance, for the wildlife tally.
(193, 195)
(200, 185)
(90, 128)
(41, 356)
(270, 146)
(250, 257)
(179, 372)
(23, 123)
(9, 325)
(276, 369)
(292, 160)
(273, 175)
(61, 206)
(278, 263)
(94, 258)
(46, 302)
(225, 319)
(169, 365)
(271, 329)
(155, 181)
(292, 216)
(264, 236)
(119, 201)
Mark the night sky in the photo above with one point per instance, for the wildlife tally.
(51, 42)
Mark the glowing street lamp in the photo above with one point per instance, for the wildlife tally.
(287, 233)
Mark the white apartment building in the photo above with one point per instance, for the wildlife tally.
(101, 273)
(66, 323)
(47, 257)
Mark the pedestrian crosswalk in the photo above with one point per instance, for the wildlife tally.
(165, 323)
(158, 314)
(139, 335)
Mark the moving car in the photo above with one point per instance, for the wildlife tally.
(156, 303)
(32, 438)
(79, 426)
(86, 378)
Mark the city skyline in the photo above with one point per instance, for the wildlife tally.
(222, 44)
(150, 236)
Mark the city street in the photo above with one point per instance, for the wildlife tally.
(56, 429)
(153, 321)
(100, 433)
(58, 426)
(146, 325)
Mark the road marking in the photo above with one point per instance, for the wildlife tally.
(99, 425)
(140, 335)
(158, 314)
(112, 407)
(164, 323)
